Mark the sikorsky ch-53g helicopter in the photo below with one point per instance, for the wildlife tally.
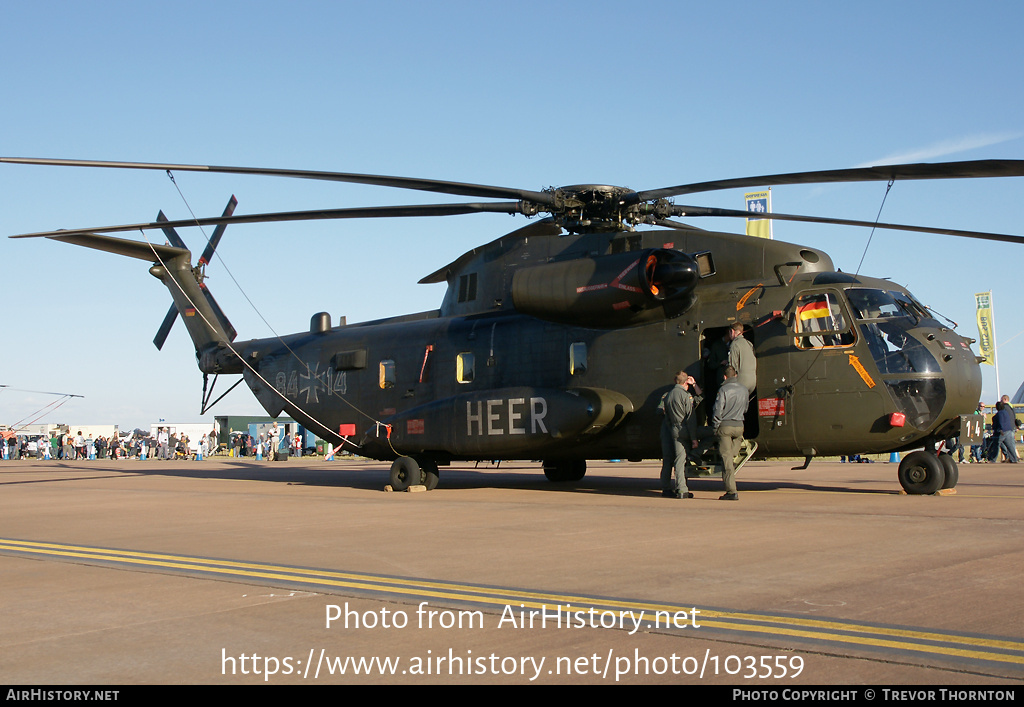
(557, 341)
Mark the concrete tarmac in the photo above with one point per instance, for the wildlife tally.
(226, 571)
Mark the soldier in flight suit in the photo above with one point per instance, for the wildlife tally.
(678, 434)
(741, 357)
(727, 423)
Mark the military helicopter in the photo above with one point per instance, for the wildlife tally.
(557, 341)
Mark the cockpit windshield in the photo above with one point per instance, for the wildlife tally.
(895, 350)
(869, 305)
(912, 307)
(885, 319)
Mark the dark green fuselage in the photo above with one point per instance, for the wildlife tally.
(480, 379)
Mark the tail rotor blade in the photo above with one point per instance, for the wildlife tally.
(165, 328)
(211, 246)
(172, 236)
(218, 232)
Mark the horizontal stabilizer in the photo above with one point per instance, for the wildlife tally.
(150, 252)
(173, 267)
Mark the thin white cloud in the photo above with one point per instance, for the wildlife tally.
(944, 148)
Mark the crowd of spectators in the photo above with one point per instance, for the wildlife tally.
(72, 446)
(164, 445)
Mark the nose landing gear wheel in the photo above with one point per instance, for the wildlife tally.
(921, 473)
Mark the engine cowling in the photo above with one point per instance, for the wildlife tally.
(608, 291)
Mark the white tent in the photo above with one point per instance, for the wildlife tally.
(1018, 397)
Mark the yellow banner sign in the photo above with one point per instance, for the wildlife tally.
(759, 202)
(986, 327)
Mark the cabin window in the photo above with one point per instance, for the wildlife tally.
(387, 374)
(465, 367)
(467, 287)
(577, 358)
(820, 322)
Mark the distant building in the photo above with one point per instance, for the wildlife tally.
(49, 429)
(226, 424)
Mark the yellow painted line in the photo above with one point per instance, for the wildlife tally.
(815, 629)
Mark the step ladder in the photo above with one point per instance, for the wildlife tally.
(710, 462)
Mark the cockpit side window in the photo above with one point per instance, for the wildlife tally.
(820, 322)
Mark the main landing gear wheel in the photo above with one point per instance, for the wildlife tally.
(563, 470)
(921, 472)
(405, 472)
(951, 470)
(430, 476)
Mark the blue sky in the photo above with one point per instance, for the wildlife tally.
(528, 94)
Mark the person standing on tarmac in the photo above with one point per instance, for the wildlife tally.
(272, 437)
(678, 434)
(163, 446)
(1004, 427)
(727, 424)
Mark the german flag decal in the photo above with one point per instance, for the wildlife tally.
(817, 309)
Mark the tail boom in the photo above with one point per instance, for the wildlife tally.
(209, 328)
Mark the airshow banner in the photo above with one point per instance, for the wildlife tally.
(986, 327)
(759, 202)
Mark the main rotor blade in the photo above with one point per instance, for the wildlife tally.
(882, 173)
(500, 207)
(691, 211)
(431, 185)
